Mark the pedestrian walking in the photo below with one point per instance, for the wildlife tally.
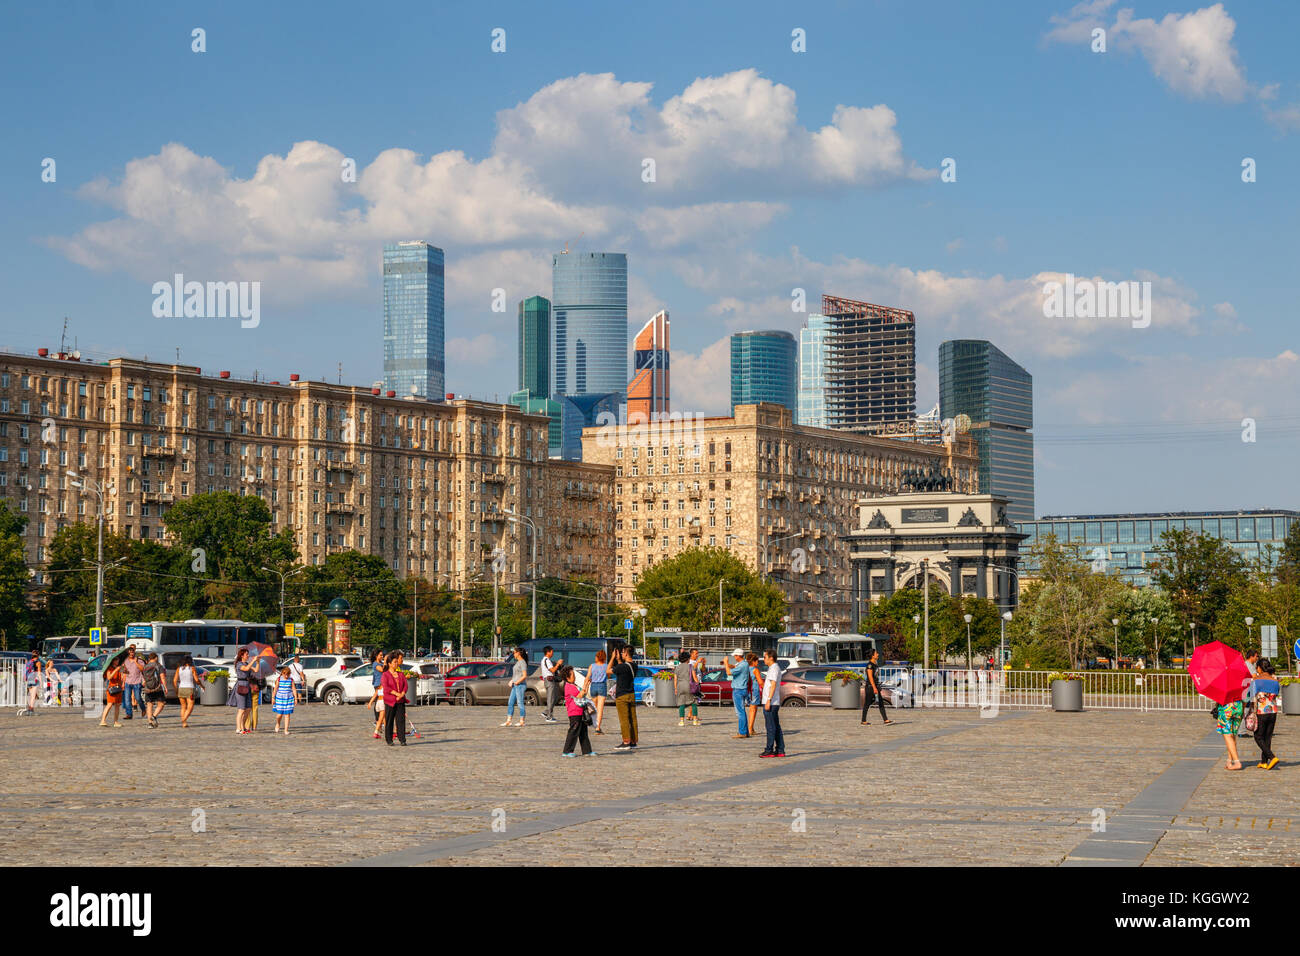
(132, 682)
(1228, 720)
(873, 692)
(683, 677)
(239, 694)
(32, 675)
(518, 685)
(1265, 692)
(1247, 698)
(598, 687)
(53, 685)
(299, 678)
(186, 688)
(284, 699)
(755, 690)
(548, 667)
(113, 688)
(739, 677)
(153, 678)
(377, 695)
(258, 684)
(772, 707)
(573, 698)
(624, 672)
(394, 685)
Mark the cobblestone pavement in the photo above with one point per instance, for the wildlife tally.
(937, 787)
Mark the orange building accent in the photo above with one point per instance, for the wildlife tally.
(647, 393)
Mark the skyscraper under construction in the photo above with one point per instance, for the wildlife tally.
(870, 355)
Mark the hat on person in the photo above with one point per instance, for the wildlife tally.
(738, 653)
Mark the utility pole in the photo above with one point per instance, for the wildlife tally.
(925, 583)
(415, 619)
(720, 580)
(97, 489)
(496, 628)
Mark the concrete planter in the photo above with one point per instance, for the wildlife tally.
(214, 693)
(412, 690)
(846, 694)
(1291, 699)
(1067, 695)
(664, 694)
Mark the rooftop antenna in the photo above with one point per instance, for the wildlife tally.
(178, 355)
(340, 373)
(63, 339)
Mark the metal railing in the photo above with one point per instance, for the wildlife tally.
(1102, 690)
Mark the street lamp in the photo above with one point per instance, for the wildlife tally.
(645, 647)
(283, 577)
(476, 576)
(1249, 622)
(1115, 623)
(97, 489)
(516, 518)
(1002, 651)
(967, 618)
(1155, 641)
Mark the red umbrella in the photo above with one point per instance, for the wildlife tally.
(1219, 672)
(263, 655)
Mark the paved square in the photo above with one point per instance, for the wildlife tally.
(938, 787)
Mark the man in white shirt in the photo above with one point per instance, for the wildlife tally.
(548, 666)
(299, 678)
(772, 707)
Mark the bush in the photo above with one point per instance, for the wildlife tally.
(844, 675)
(212, 676)
(1057, 675)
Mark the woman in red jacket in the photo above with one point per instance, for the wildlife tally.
(394, 687)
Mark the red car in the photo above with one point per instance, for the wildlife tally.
(465, 671)
(715, 686)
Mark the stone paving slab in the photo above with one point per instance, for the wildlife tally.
(942, 787)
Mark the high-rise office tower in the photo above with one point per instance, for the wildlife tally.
(414, 319)
(588, 339)
(977, 379)
(812, 372)
(870, 364)
(647, 393)
(764, 369)
(535, 346)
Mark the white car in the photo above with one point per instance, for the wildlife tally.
(318, 668)
(353, 687)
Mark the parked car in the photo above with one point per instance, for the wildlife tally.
(430, 685)
(317, 668)
(715, 687)
(351, 687)
(807, 687)
(494, 687)
(464, 671)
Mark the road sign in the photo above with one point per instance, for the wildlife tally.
(627, 624)
(96, 636)
(1268, 640)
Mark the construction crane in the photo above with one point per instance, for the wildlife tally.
(575, 242)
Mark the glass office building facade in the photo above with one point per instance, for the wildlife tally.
(535, 345)
(588, 339)
(532, 404)
(414, 320)
(764, 368)
(812, 372)
(979, 380)
(1128, 543)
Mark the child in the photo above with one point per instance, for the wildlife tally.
(577, 718)
(283, 701)
(1264, 690)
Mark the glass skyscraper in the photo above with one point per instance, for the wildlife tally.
(535, 346)
(977, 379)
(812, 372)
(588, 339)
(764, 369)
(414, 320)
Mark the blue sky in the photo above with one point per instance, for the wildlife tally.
(775, 170)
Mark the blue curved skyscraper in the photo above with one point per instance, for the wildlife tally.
(764, 368)
(414, 356)
(588, 338)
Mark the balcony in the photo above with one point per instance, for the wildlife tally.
(586, 494)
(695, 493)
(158, 451)
(694, 531)
(340, 508)
(159, 497)
(336, 465)
(494, 478)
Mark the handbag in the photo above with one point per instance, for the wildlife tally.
(242, 687)
(1251, 723)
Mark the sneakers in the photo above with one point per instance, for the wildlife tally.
(592, 754)
(568, 755)
(681, 723)
(551, 720)
(780, 755)
(507, 723)
(767, 755)
(623, 747)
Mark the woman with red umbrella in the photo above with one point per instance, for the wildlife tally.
(1219, 673)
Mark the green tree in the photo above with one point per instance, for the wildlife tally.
(1066, 613)
(683, 592)
(369, 585)
(1198, 572)
(14, 616)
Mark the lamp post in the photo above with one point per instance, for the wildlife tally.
(1192, 628)
(1249, 622)
(916, 627)
(1114, 621)
(283, 577)
(645, 647)
(516, 518)
(1002, 650)
(1155, 641)
(97, 489)
(477, 575)
(967, 618)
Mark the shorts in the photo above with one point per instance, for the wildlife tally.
(1228, 718)
(184, 693)
(155, 696)
(599, 688)
(379, 703)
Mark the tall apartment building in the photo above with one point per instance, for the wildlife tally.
(759, 485)
(414, 320)
(647, 393)
(979, 380)
(764, 368)
(588, 339)
(424, 484)
(812, 371)
(870, 364)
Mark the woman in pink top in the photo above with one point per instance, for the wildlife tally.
(394, 686)
(577, 718)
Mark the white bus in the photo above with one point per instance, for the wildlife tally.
(201, 637)
(79, 647)
(851, 651)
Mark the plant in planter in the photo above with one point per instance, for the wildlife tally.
(1290, 695)
(846, 689)
(213, 676)
(1058, 675)
(1067, 691)
(663, 689)
(215, 685)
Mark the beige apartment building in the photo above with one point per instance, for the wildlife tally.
(760, 486)
(427, 485)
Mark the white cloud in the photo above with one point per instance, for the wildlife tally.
(701, 382)
(1192, 53)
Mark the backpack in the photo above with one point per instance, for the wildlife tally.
(152, 682)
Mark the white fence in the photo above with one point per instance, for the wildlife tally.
(1102, 690)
